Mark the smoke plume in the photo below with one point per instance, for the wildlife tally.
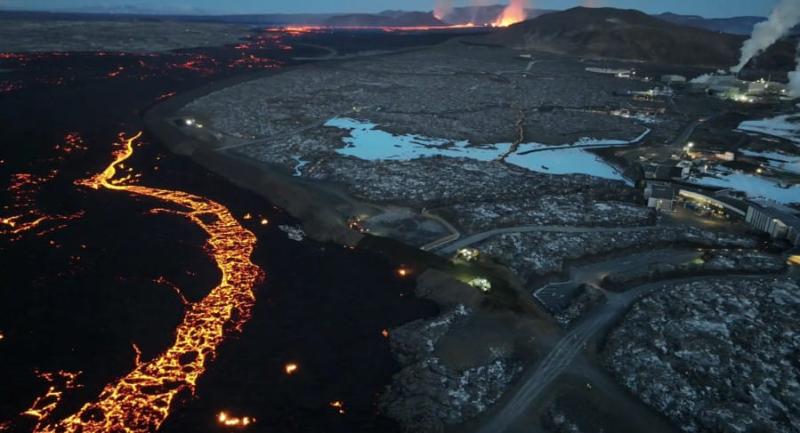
(785, 16)
(513, 13)
(794, 78)
(443, 8)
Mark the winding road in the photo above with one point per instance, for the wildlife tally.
(568, 348)
(482, 236)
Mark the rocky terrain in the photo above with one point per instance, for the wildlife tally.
(540, 253)
(119, 36)
(439, 182)
(427, 396)
(713, 262)
(587, 299)
(577, 208)
(454, 91)
(457, 91)
(715, 355)
(391, 137)
(633, 35)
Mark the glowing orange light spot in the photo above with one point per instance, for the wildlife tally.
(247, 217)
(403, 272)
(291, 368)
(338, 405)
(232, 421)
(264, 221)
(385, 333)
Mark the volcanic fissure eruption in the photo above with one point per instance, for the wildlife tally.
(514, 13)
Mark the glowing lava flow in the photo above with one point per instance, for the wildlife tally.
(141, 401)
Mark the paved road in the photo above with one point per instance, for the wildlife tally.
(452, 237)
(565, 352)
(551, 367)
(687, 132)
(479, 237)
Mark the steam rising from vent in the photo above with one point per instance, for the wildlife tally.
(794, 79)
(442, 9)
(785, 16)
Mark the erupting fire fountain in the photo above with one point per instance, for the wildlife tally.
(514, 13)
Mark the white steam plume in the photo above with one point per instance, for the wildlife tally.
(443, 8)
(785, 16)
(794, 78)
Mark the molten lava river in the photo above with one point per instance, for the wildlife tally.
(140, 401)
(92, 337)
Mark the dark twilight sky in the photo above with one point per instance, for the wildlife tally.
(708, 8)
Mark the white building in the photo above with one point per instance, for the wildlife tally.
(780, 222)
(660, 196)
(673, 79)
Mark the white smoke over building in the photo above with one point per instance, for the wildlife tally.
(794, 79)
(783, 18)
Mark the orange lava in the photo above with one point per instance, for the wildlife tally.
(43, 406)
(403, 271)
(512, 14)
(234, 421)
(23, 215)
(338, 405)
(298, 30)
(26, 216)
(140, 401)
(291, 368)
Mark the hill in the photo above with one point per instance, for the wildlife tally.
(403, 19)
(734, 25)
(480, 15)
(622, 34)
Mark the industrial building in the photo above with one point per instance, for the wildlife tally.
(660, 196)
(673, 79)
(662, 172)
(716, 203)
(780, 222)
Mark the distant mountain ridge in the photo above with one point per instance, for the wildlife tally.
(385, 19)
(477, 15)
(622, 34)
(480, 15)
(734, 25)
